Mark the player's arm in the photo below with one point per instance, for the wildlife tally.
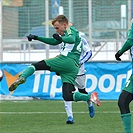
(87, 52)
(127, 45)
(68, 38)
(87, 55)
(50, 41)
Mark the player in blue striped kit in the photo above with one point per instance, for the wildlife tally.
(80, 82)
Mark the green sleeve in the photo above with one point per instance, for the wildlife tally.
(127, 45)
(70, 35)
(50, 41)
(68, 39)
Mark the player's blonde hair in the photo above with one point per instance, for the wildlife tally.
(60, 19)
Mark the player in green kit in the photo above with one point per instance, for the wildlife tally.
(126, 95)
(67, 63)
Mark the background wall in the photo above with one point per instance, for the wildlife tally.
(103, 23)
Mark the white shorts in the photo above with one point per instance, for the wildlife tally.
(80, 81)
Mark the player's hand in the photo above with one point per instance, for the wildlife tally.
(117, 56)
(57, 37)
(30, 37)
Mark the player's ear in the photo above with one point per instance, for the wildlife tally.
(65, 25)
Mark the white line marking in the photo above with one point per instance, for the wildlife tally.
(103, 112)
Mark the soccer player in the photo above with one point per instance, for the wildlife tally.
(80, 81)
(67, 63)
(126, 95)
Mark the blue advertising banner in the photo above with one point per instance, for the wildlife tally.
(107, 79)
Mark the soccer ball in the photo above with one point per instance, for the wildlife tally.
(1, 75)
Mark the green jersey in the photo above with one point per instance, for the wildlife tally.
(72, 48)
(128, 45)
(71, 43)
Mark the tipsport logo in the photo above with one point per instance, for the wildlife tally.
(104, 83)
(49, 83)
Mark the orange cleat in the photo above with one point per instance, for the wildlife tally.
(94, 98)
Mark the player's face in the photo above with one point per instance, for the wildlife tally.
(60, 27)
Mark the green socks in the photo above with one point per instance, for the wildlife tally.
(127, 122)
(77, 96)
(28, 71)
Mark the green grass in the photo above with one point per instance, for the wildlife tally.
(44, 116)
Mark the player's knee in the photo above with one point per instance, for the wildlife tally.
(122, 106)
(41, 65)
(67, 91)
(120, 101)
(67, 97)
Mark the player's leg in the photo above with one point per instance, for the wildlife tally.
(69, 95)
(89, 103)
(68, 108)
(67, 91)
(28, 72)
(80, 84)
(49, 64)
(124, 99)
(68, 80)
